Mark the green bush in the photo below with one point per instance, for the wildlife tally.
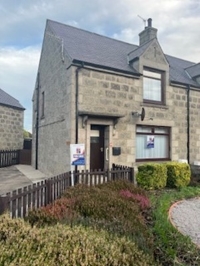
(63, 245)
(178, 174)
(152, 176)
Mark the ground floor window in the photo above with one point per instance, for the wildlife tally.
(152, 143)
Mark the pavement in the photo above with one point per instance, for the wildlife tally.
(185, 217)
(18, 176)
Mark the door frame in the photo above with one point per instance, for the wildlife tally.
(101, 122)
(98, 157)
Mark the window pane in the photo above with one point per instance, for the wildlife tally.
(94, 133)
(151, 89)
(94, 139)
(160, 149)
(161, 130)
(144, 129)
(152, 74)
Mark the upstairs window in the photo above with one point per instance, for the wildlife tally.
(152, 86)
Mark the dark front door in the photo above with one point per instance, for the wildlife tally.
(97, 147)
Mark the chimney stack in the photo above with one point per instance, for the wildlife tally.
(149, 22)
(148, 33)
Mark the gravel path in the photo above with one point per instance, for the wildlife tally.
(185, 216)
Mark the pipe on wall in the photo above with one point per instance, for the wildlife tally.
(188, 123)
(37, 121)
(76, 101)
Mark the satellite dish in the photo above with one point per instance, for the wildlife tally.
(137, 114)
(142, 114)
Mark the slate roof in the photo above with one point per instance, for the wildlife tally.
(93, 48)
(194, 70)
(105, 52)
(7, 100)
(139, 50)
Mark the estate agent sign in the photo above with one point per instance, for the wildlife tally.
(77, 154)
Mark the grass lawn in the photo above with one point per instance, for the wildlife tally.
(172, 248)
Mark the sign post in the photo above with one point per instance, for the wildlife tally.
(77, 157)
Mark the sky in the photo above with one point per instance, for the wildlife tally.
(22, 25)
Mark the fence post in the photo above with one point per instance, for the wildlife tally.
(132, 174)
(18, 157)
(48, 198)
(4, 204)
(76, 175)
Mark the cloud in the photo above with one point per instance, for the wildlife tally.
(18, 74)
(23, 24)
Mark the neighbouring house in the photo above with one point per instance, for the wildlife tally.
(12, 121)
(127, 103)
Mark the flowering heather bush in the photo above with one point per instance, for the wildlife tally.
(66, 246)
(100, 207)
(61, 209)
(122, 184)
(142, 200)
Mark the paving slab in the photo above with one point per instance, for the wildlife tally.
(18, 176)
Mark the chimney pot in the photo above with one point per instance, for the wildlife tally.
(148, 33)
(150, 22)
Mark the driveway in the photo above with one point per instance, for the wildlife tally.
(18, 176)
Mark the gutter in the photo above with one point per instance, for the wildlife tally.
(188, 124)
(105, 68)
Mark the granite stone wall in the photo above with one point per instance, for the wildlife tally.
(11, 128)
(55, 128)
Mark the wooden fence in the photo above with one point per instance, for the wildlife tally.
(9, 157)
(20, 201)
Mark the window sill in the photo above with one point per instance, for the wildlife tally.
(155, 105)
(42, 117)
(153, 160)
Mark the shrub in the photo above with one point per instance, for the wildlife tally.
(122, 184)
(142, 200)
(52, 213)
(101, 207)
(152, 176)
(178, 174)
(63, 245)
(115, 214)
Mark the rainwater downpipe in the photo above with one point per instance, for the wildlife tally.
(37, 121)
(188, 123)
(76, 103)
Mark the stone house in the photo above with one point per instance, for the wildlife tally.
(127, 103)
(12, 121)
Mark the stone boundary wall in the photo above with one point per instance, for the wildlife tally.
(11, 128)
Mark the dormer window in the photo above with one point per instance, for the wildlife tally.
(153, 86)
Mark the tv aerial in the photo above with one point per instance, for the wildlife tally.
(144, 20)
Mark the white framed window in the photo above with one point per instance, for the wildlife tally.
(153, 86)
(152, 143)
